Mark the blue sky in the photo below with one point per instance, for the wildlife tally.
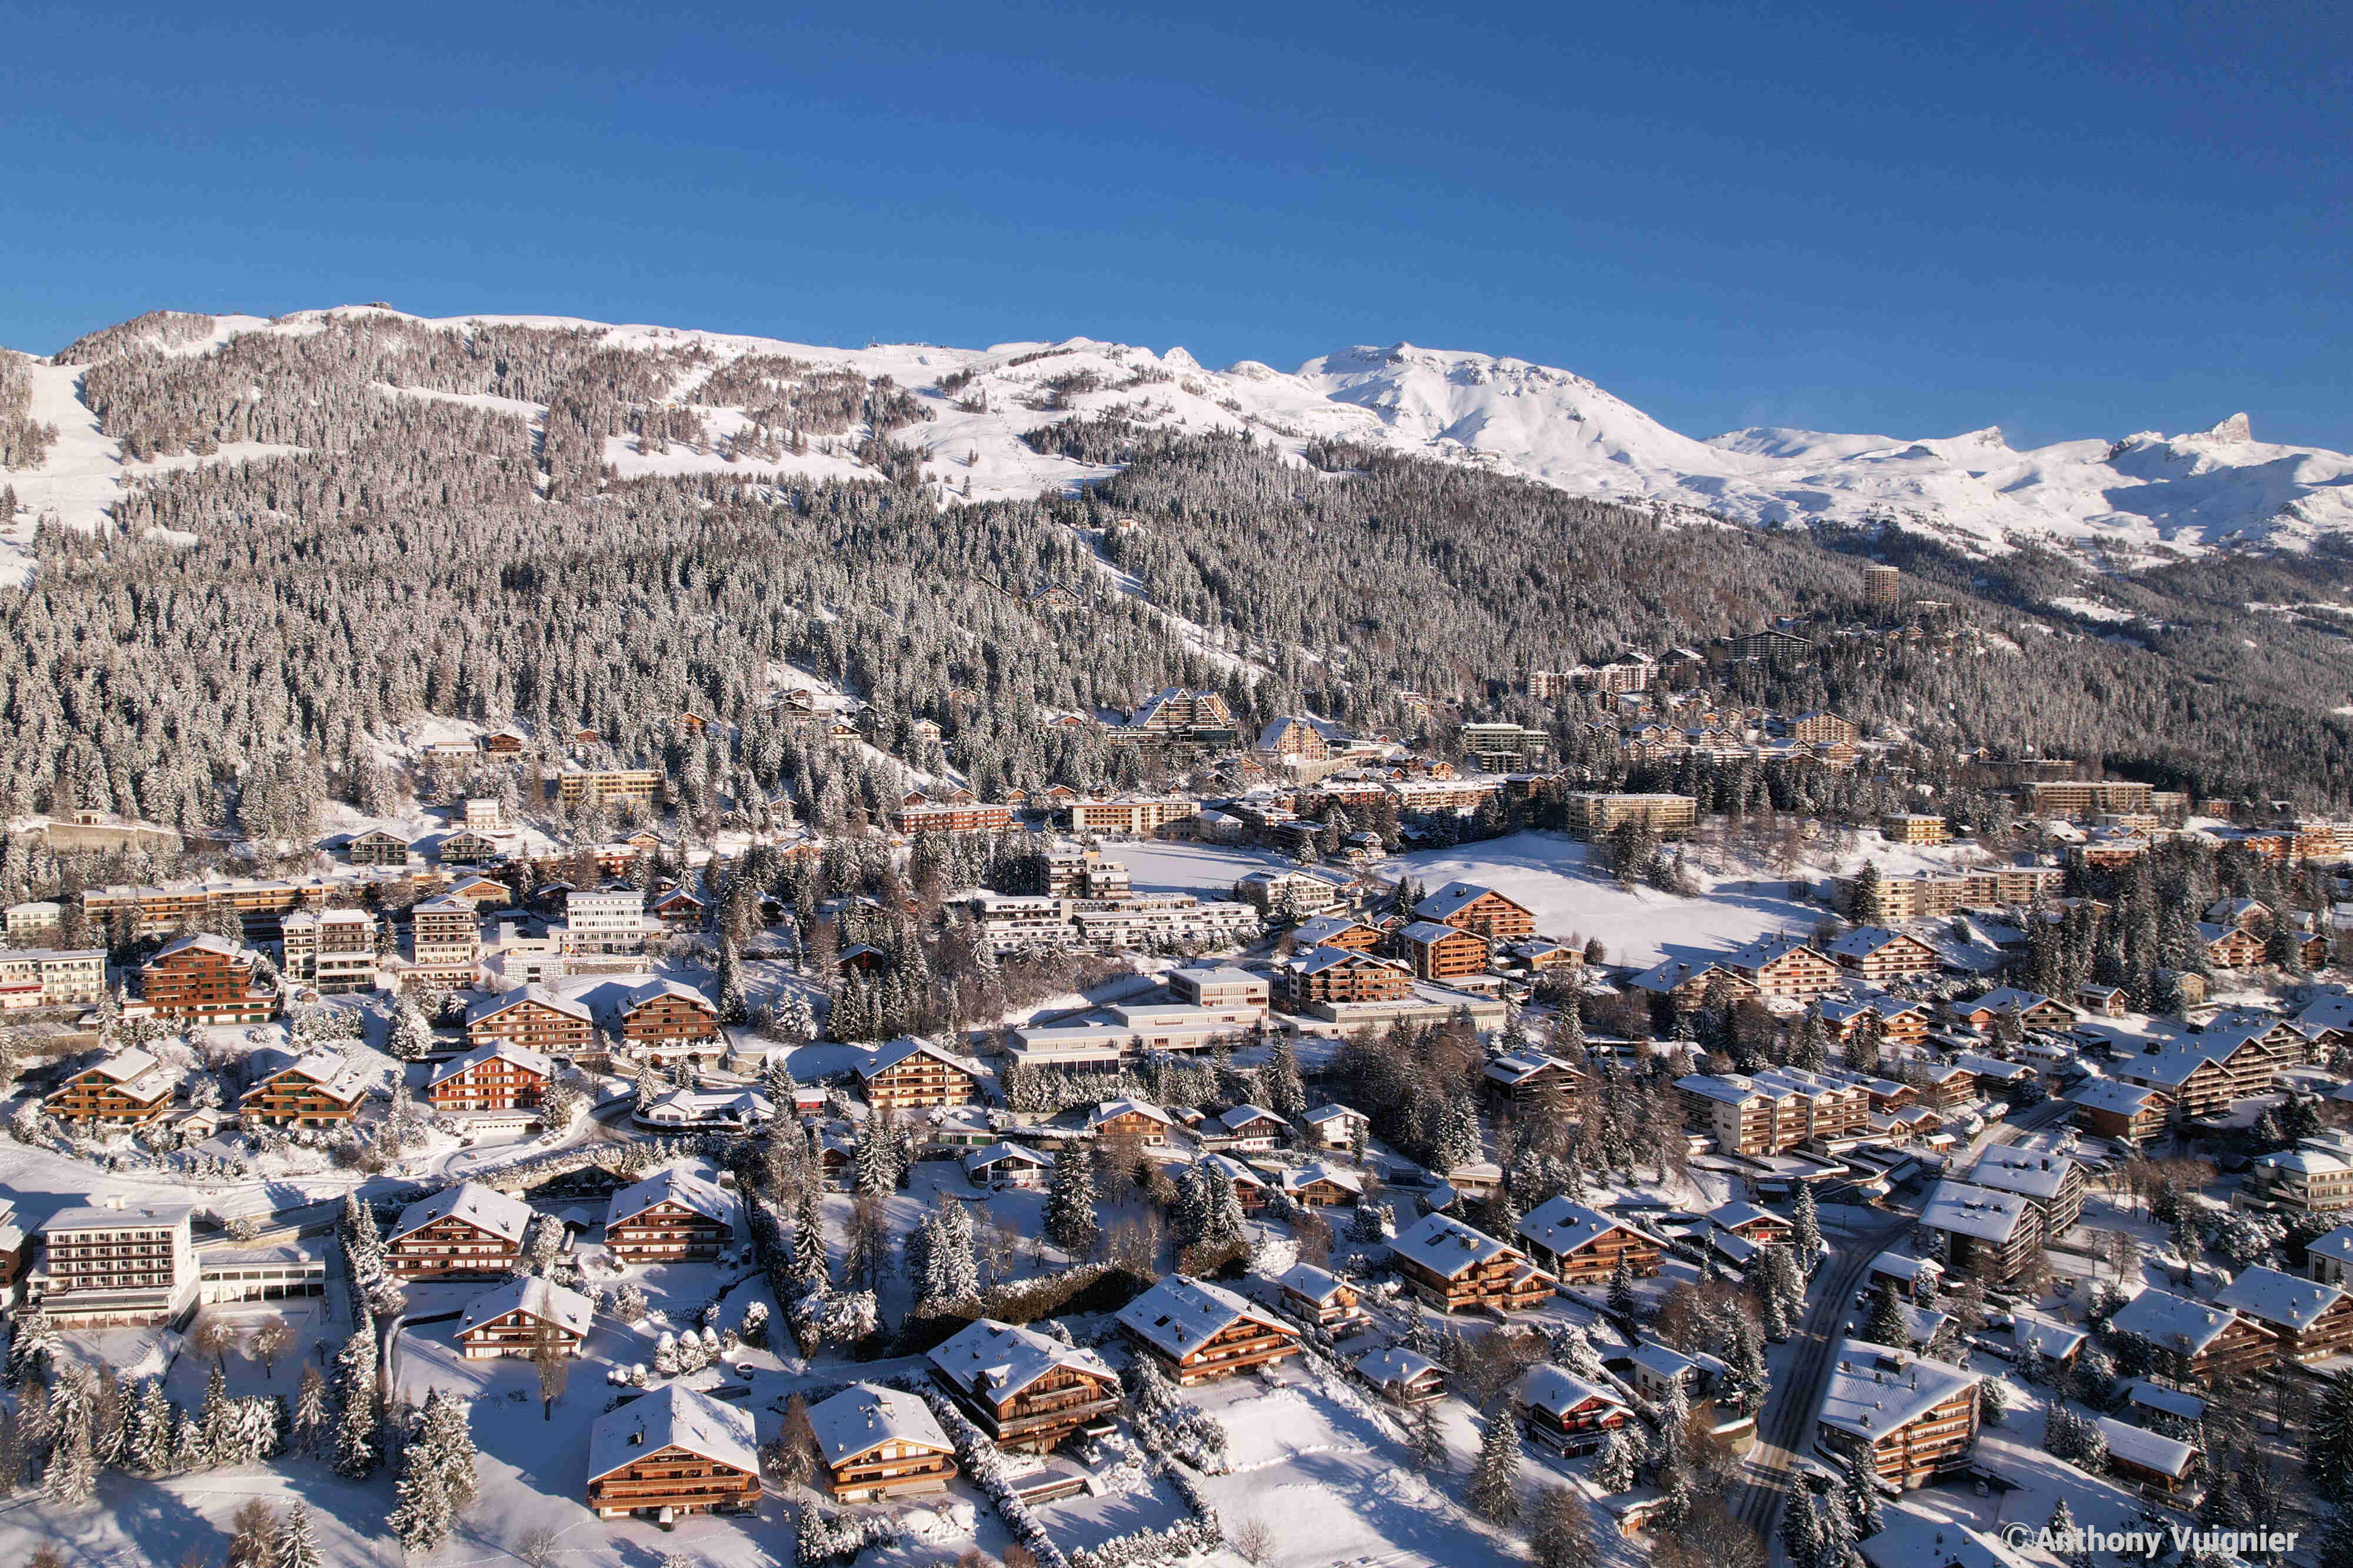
(2068, 221)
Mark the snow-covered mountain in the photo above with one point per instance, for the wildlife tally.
(2145, 497)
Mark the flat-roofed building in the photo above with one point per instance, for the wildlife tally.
(1592, 814)
(133, 1266)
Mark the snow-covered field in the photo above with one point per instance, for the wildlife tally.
(1207, 870)
(1554, 876)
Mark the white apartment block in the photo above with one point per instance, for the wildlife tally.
(345, 959)
(49, 977)
(115, 1267)
(602, 923)
(37, 918)
(1163, 918)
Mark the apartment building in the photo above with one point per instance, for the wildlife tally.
(1784, 967)
(1027, 1390)
(674, 1452)
(343, 958)
(445, 939)
(1912, 827)
(1594, 814)
(51, 977)
(1219, 985)
(1131, 816)
(124, 1264)
(2308, 1179)
(1994, 1235)
(1479, 909)
(909, 1072)
(918, 814)
(2083, 799)
(319, 1089)
(1768, 1112)
(202, 979)
(2207, 1342)
(1322, 976)
(126, 1090)
(582, 786)
(2054, 1183)
(495, 1076)
(1154, 918)
(535, 1018)
(2307, 1320)
(668, 1216)
(1506, 748)
(376, 846)
(1925, 895)
(602, 923)
(1876, 956)
(1916, 1418)
(465, 1232)
(661, 1020)
(1442, 953)
(1199, 1332)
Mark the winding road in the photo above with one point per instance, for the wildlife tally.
(1786, 1430)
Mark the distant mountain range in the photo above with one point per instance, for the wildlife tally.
(2142, 498)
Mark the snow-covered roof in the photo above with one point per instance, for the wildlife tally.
(1732, 1215)
(675, 1186)
(522, 1057)
(1241, 1116)
(2150, 1450)
(863, 1415)
(1427, 933)
(1875, 1389)
(2337, 1244)
(491, 1006)
(1968, 1210)
(1321, 929)
(1767, 949)
(502, 1216)
(1318, 1285)
(1919, 1540)
(1181, 1314)
(892, 1054)
(1560, 1225)
(2006, 1167)
(1453, 899)
(2173, 1322)
(2281, 1299)
(674, 1415)
(1396, 1365)
(1865, 941)
(1113, 1110)
(1296, 1177)
(1004, 1358)
(2110, 1095)
(1557, 1389)
(2045, 1336)
(2010, 999)
(1513, 1070)
(540, 1299)
(1316, 959)
(1727, 1087)
(1323, 1113)
(1982, 1066)
(1446, 1246)
(2169, 1401)
(1904, 1265)
(1001, 1152)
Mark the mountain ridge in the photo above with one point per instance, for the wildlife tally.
(2142, 498)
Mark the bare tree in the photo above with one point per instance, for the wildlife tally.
(551, 1356)
(1254, 1540)
(538, 1545)
(272, 1340)
(213, 1338)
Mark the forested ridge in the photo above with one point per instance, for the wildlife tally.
(424, 556)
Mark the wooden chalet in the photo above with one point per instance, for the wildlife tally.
(668, 1217)
(673, 1452)
(1756, 1226)
(1321, 1184)
(663, 1018)
(518, 1316)
(1198, 1331)
(1147, 1123)
(1440, 953)
(1406, 1378)
(1319, 1297)
(126, 1090)
(1479, 910)
(880, 1443)
(2204, 1341)
(1784, 966)
(678, 910)
(465, 1232)
(1565, 1414)
(1457, 1268)
(912, 1072)
(1328, 975)
(1583, 1246)
(319, 1089)
(2309, 1321)
(493, 1077)
(1025, 1389)
(1532, 1081)
(1916, 1418)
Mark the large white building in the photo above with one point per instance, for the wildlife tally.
(128, 1266)
(602, 923)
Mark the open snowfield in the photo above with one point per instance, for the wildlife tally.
(1552, 875)
(1210, 870)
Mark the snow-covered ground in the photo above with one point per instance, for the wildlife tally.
(1207, 870)
(1555, 875)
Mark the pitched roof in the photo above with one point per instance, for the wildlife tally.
(1318, 1285)
(1559, 1225)
(505, 1218)
(891, 1054)
(2045, 1336)
(1396, 1365)
(540, 1299)
(2108, 1094)
(1003, 1153)
(1241, 1116)
(1112, 1109)
(673, 1416)
(1875, 1389)
(1768, 949)
(1558, 1390)
(864, 1415)
(1446, 1246)
(1429, 932)
(1181, 1314)
(2281, 1299)
(2150, 1450)
(1865, 941)
(491, 1006)
(1968, 1210)
(1004, 1358)
(522, 1057)
(672, 1186)
(1455, 896)
(2006, 1167)
(2174, 1323)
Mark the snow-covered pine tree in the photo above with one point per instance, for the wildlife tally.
(1071, 1221)
(448, 1425)
(1496, 1476)
(153, 1422)
(1806, 1219)
(298, 1543)
(412, 1033)
(71, 1476)
(1802, 1529)
(1861, 1496)
(357, 1448)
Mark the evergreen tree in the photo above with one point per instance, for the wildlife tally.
(1427, 1441)
(1621, 1288)
(357, 1451)
(1807, 1239)
(412, 1035)
(2334, 1549)
(1865, 905)
(217, 1418)
(2328, 1450)
(153, 1422)
(447, 1426)
(1496, 1476)
(71, 1476)
(1862, 1502)
(809, 1268)
(1285, 1096)
(1561, 1533)
(1070, 1221)
(1885, 1324)
(1619, 1463)
(297, 1547)
(311, 1414)
(1801, 1528)
(421, 1518)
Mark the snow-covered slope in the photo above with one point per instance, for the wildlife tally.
(2145, 497)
